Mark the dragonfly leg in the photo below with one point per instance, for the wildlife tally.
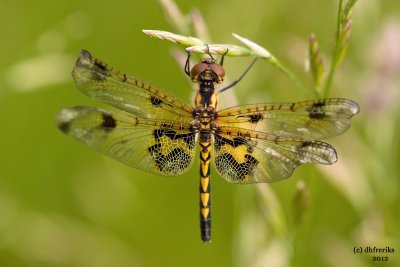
(187, 64)
(240, 78)
(223, 57)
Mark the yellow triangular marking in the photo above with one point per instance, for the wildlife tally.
(204, 198)
(204, 183)
(204, 169)
(205, 212)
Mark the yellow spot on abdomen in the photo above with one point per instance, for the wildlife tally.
(204, 183)
(204, 168)
(205, 212)
(205, 197)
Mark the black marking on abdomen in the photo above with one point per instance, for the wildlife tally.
(204, 148)
(229, 167)
(205, 227)
(205, 159)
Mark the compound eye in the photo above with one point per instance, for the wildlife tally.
(219, 71)
(197, 69)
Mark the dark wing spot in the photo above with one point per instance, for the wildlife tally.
(319, 104)
(229, 167)
(64, 126)
(254, 118)
(306, 144)
(109, 122)
(189, 138)
(155, 148)
(101, 66)
(155, 101)
(85, 54)
(235, 142)
(95, 69)
(174, 162)
(158, 133)
(221, 141)
(316, 111)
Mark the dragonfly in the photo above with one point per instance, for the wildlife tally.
(156, 132)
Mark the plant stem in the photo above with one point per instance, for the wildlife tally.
(332, 69)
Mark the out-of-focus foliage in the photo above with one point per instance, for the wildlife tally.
(64, 205)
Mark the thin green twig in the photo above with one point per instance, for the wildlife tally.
(275, 62)
(328, 84)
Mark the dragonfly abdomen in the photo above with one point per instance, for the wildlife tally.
(205, 187)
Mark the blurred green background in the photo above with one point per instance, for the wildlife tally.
(62, 204)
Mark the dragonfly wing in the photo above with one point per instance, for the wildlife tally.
(314, 119)
(104, 83)
(163, 148)
(257, 157)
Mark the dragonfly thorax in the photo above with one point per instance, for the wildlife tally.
(206, 74)
(204, 122)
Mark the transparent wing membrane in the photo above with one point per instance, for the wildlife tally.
(313, 119)
(164, 148)
(105, 84)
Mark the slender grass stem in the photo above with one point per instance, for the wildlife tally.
(292, 77)
(335, 54)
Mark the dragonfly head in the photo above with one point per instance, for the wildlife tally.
(207, 70)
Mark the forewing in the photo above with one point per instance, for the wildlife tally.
(108, 85)
(314, 119)
(255, 157)
(163, 148)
